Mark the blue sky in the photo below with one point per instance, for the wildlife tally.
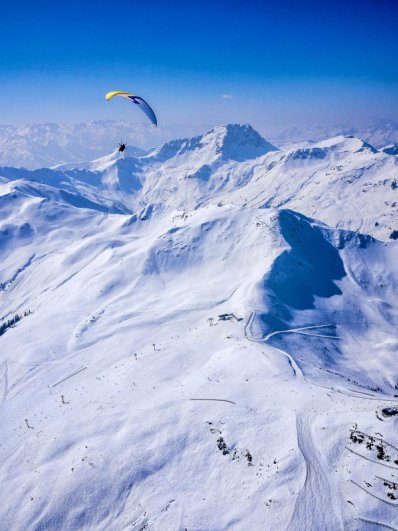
(263, 62)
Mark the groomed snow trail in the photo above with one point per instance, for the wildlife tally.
(317, 504)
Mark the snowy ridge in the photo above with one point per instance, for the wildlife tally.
(209, 339)
(342, 181)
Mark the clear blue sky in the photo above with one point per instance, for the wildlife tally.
(205, 61)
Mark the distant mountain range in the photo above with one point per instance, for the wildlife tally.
(379, 133)
(45, 145)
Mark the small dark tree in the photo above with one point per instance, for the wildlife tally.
(5, 325)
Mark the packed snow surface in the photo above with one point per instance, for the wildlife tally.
(201, 337)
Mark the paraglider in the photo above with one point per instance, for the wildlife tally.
(122, 147)
(143, 105)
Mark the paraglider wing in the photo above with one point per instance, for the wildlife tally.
(145, 108)
(138, 101)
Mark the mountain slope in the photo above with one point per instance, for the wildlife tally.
(223, 365)
(342, 181)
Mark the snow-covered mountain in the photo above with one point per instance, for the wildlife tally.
(342, 181)
(201, 337)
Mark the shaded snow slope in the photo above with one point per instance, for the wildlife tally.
(198, 359)
(391, 149)
(317, 286)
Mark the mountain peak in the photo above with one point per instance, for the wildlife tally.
(347, 143)
(237, 142)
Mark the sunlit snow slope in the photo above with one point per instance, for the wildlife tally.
(206, 339)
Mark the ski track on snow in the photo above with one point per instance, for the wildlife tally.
(316, 504)
(5, 380)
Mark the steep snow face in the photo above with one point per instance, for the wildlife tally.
(230, 142)
(236, 142)
(185, 342)
(184, 173)
(316, 286)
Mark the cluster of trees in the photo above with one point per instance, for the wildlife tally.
(5, 325)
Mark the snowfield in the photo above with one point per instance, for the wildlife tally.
(206, 338)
